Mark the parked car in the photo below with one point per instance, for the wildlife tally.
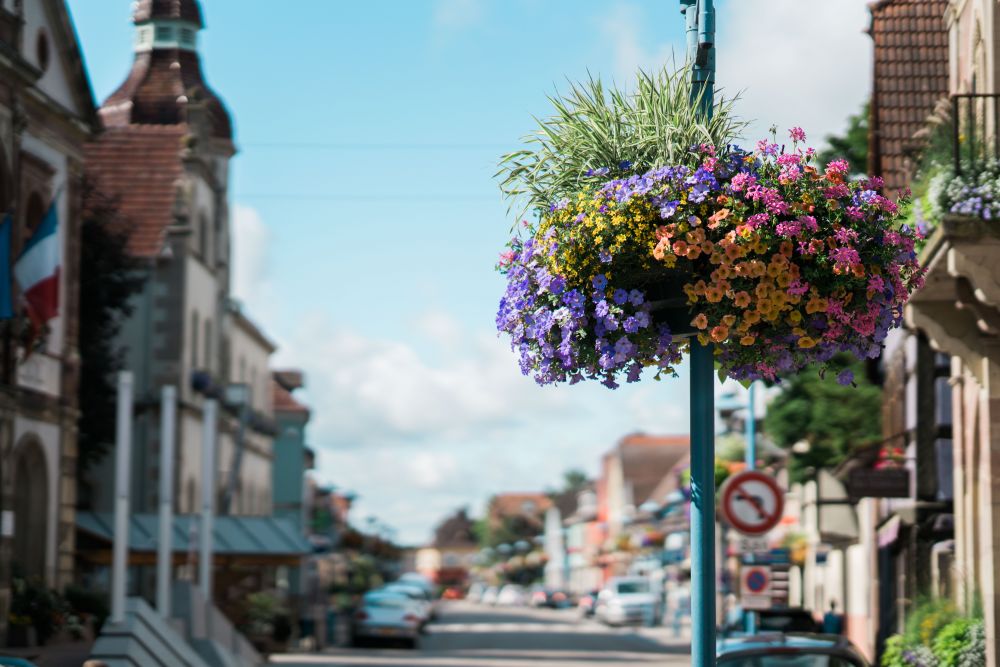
(476, 592)
(587, 603)
(421, 599)
(626, 600)
(550, 597)
(386, 616)
(418, 580)
(791, 619)
(452, 593)
(490, 595)
(512, 595)
(789, 650)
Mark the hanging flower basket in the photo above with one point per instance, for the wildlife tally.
(776, 262)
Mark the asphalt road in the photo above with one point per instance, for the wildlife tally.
(467, 635)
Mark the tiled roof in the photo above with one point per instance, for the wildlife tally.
(646, 459)
(455, 531)
(910, 77)
(514, 504)
(140, 165)
(284, 401)
(185, 10)
(158, 89)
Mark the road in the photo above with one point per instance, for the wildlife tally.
(467, 635)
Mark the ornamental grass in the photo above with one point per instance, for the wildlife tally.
(776, 261)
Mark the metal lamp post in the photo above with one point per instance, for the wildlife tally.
(699, 18)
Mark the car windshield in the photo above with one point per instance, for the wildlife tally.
(626, 587)
(386, 601)
(786, 623)
(787, 660)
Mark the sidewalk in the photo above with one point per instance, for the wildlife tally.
(59, 655)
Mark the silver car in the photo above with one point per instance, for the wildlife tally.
(386, 616)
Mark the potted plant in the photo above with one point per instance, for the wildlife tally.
(651, 227)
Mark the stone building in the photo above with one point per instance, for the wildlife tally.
(46, 115)
(164, 152)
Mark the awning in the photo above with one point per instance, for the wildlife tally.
(253, 537)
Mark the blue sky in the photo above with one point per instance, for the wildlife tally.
(367, 221)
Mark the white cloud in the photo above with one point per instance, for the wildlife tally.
(622, 27)
(799, 62)
(251, 280)
(796, 62)
(456, 15)
(378, 392)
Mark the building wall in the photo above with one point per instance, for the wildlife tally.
(289, 467)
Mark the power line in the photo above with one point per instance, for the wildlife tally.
(346, 146)
(415, 197)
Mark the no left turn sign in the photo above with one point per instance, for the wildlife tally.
(752, 502)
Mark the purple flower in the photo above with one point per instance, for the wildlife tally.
(599, 282)
(605, 256)
(846, 377)
(631, 324)
(602, 308)
(636, 298)
(620, 296)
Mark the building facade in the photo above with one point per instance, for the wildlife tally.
(164, 153)
(47, 114)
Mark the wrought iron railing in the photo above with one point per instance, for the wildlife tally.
(975, 121)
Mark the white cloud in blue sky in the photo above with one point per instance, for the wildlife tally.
(367, 221)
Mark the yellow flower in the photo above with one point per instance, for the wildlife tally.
(748, 340)
(806, 342)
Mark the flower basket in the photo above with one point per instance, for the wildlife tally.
(777, 263)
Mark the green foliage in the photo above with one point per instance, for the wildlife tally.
(721, 473)
(926, 620)
(833, 418)
(89, 602)
(32, 603)
(574, 480)
(108, 282)
(956, 641)
(852, 145)
(597, 127)
(266, 616)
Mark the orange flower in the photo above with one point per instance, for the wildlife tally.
(720, 333)
(748, 340)
(729, 320)
(752, 316)
(680, 248)
(816, 305)
(786, 248)
(700, 321)
(742, 299)
(718, 217)
(661, 249)
(714, 294)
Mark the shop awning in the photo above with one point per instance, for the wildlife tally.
(233, 536)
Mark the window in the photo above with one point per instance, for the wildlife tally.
(194, 340)
(42, 50)
(203, 239)
(187, 37)
(164, 33)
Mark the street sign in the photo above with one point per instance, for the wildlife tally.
(752, 503)
(755, 587)
(751, 545)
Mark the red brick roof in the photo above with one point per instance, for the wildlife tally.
(513, 504)
(140, 165)
(185, 10)
(284, 401)
(910, 76)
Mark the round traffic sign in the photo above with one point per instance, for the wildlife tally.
(756, 581)
(752, 502)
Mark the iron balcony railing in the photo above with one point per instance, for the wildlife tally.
(975, 120)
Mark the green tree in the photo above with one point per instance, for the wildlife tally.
(574, 480)
(108, 281)
(833, 418)
(852, 145)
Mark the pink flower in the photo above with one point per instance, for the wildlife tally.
(797, 134)
(710, 163)
(786, 159)
(758, 219)
(855, 213)
(506, 258)
(741, 181)
(789, 174)
(809, 223)
(798, 288)
(840, 167)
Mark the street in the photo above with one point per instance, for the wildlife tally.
(468, 635)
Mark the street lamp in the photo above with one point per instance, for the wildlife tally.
(238, 396)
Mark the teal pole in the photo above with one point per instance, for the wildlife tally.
(700, 25)
(751, 453)
(703, 579)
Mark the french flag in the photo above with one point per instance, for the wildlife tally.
(37, 269)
